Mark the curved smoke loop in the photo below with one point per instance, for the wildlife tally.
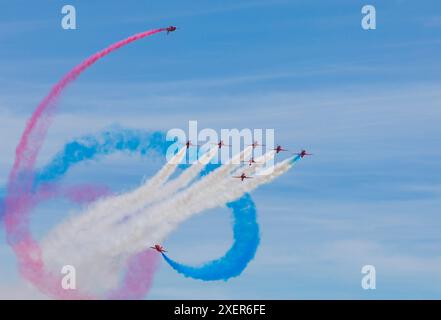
(245, 230)
(149, 213)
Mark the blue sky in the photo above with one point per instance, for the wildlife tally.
(366, 103)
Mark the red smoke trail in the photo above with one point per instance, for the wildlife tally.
(139, 276)
(37, 126)
(18, 201)
(81, 194)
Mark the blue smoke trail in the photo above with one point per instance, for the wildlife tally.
(246, 230)
(295, 159)
(92, 146)
(246, 241)
(106, 143)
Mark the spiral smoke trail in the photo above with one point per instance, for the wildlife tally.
(17, 203)
(104, 257)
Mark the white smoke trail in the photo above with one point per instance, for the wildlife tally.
(99, 260)
(116, 208)
(171, 187)
(166, 216)
(257, 165)
(188, 175)
(110, 209)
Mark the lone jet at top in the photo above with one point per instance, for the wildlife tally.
(170, 29)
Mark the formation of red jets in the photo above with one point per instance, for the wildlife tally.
(250, 162)
(221, 144)
(278, 149)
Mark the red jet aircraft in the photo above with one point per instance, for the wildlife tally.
(221, 144)
(170, 29)
(256, 144)
(189, 144)
(158, 248)
(242, 177)
(251, 161)
(303, 153)
(278, 149)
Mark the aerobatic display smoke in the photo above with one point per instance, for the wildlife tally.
(18, 203)
(108, 239)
